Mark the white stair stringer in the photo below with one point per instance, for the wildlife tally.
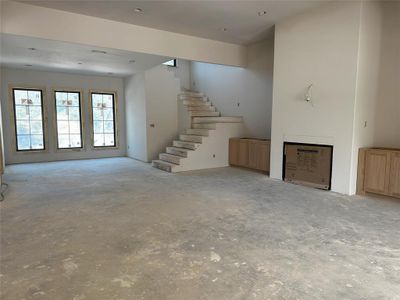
(213, 152)
(205, 144)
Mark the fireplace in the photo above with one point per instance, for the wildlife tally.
(308, 164)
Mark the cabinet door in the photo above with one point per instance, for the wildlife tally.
(377, 168)
(234, 152)
(394, 180)
(243, 153)
(253, 153)
(262, 156)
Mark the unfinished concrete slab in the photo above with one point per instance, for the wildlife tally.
(119, 229)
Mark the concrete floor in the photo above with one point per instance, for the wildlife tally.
(119, 229)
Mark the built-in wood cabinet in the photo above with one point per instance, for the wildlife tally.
(249, 153)
(379, 171)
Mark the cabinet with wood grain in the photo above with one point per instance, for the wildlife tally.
(379, 171)
(249, 153)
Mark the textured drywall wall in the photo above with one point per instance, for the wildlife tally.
(34, 21)
(135, 113)
(387, 129)
(52, 80)
(319, 47)
(243, 92)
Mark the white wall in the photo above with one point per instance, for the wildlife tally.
(387, 129)
(135, 114)
(367, 87)
(52, 80)
(318, 47)
(151, 98)
(40, 22)
(162, 88)
(251, 87)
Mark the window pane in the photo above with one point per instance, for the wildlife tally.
(75, 127)
(36, 127)
(74, 114)
(73, 99)
(97, 114)
(23, 127)
(98, 127)
(75, 140)
(23, 142)
(68, 119)
(62, 127)
(108, 114)
(62, 113)
(21, 97)
(98, 140)
(97, 100)
(35, 113)
(35, 97)
(37, 141)
(22, 112)
(28, 119)
(108, 127)
(103, 120)
(63, 141)
(108, 101)
(109, 140)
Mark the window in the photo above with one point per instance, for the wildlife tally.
(29, 119)
(68, 120)
(171, 63)
(103, 119)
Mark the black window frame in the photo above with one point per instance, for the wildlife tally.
(113, 94)
(80, 118)
(15, 119)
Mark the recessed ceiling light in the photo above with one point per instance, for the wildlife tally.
(27, 65)
(138, 10)
(32, 49)
(224, 29)
(110, 73)
(132, 61)
(80, 63)
(99, 51)
(262, 13)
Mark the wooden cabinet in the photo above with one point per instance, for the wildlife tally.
(394, 178)
(249, 153)
(379, 172)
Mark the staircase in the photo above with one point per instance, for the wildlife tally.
(206, 143)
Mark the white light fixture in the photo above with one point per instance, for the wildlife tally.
(27, 65)
(32, 49)
(80, 63)
(132, 61)
(224, 29)
(261, 13)
(110, 73)
(138, 10)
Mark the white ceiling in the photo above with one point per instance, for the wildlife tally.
(66, 57)
(198, 18)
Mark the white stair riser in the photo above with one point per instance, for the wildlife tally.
(161, 166)
(193, 94)
(169, 158)
(204, 126)
(191, 138)
(201, 108)
(186, 145)
(202, 132)
(178, 152)
(191, 98)
(217, 120)
(205, 114)
(196, 103)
